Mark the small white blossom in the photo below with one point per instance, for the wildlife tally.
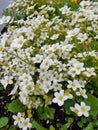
(5, 19)
(17, 119)
(78, 67)
(81, 92)
(73, 84)
(90, 72)
(71, 33)
(25, 124)
(18, 42)
(82, 37)
(54, 37)
(81, 109)
(65, 9)
(7, 80)
(59, 98)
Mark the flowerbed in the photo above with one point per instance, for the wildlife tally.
(49, 66)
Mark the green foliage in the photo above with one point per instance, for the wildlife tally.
(69, 3)
(16, 106)
(95, 85)
(93, 102)
(67, 105)
(19, 16)
(45, 113)
(37, 126)
(89, 127)
(89, 62)
(51, 128)
(7, 12)
(12, 127)
(65, 126)
(3, 121)
(1, 88)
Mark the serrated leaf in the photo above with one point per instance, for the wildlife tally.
(37, 126)
(16, 106)
(3, 121)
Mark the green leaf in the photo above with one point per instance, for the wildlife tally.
(65, 127)
(80, 124)
(16, 106)
(13, 127)
(68, 104)
(3, 121)
(51, 128)
(37, 126)
(92, 101)
(89, 127)
(1, 88)
(45, 113)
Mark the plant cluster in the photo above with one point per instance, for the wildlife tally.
(49, 60)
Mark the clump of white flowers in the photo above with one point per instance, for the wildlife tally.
(23, 123)
(44, 55)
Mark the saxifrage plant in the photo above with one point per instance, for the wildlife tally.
(49, 65)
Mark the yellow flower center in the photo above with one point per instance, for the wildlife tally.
(60, 98)
(83, 109)
(25, 123)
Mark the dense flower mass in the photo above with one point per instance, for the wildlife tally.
(45, 55)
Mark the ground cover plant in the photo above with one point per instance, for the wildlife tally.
(49, 65)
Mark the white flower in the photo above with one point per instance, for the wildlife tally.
(18, 42)
(44, 35)
(72, 72)
(23, 96)
(46, 86)
(65, 9)
(78, 67)
(81, 109)
(81, 92)
(82, 37)
(90, 72)
(71, 33)
(57, 86)
(85, 3)
(37, 59)
(46, 63)
(82, 83)
(5, 19)
(67, 47)
(17, 119)
(72, 62)
(25, 124)
(30, 35)
(73, 84)
(55, 36)
(59, 97)
(7, 80)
